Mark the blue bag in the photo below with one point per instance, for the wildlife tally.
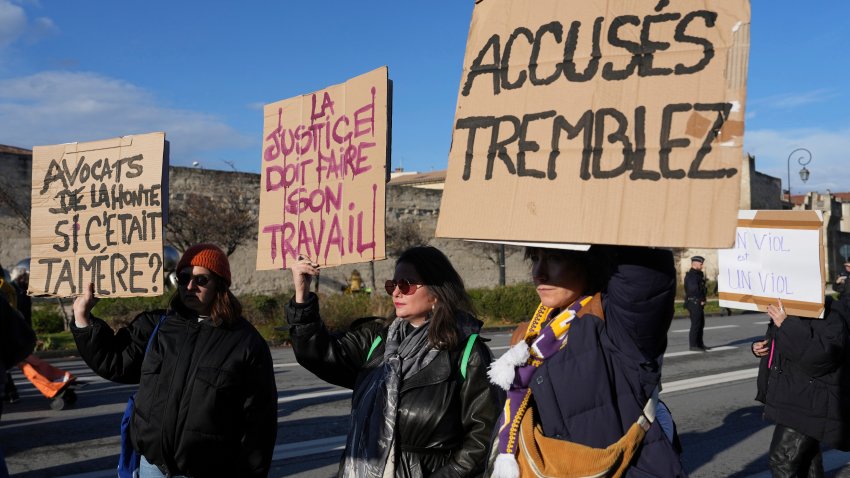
(128, 461)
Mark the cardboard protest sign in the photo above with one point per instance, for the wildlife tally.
(323, 175)
(599, 121)
(97, 217)
(777, 255)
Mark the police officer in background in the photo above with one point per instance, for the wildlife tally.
(840, 285)
(695, 291)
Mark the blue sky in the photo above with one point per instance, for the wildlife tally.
(201, 71)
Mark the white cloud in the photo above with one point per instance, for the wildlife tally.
(40, 28)
(13, 23)
(830, 164)
(795, 100)
(60, 107)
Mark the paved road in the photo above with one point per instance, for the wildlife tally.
(710, 394)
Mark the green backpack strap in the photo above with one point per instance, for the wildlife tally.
(470, 342)
(373, 347)
(468, 350)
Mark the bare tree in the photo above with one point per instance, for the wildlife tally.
(19, 207)
(226, 220)
(495, 253)
(402, 235)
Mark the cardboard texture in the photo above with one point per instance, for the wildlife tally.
(97, 217)
(323, 175)
(599, 121)
(777, 255)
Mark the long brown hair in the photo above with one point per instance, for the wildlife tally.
(226, 308)
(443, 281)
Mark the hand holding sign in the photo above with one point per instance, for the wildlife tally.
(83, 305)
(776, 312)
(302, 274)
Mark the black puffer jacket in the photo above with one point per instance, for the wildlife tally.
(595, 388)
(207, 401)
(807, 386)
(444, 420)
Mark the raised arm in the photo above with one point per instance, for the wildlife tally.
(639, 300)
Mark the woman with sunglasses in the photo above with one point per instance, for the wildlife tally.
(422, 406)
(207, 400)
(582, 379)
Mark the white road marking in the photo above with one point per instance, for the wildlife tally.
(307, 396)
(709, 328)
(691, 352)
(282, 365)
(716, 379)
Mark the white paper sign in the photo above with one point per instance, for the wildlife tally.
(777, 255)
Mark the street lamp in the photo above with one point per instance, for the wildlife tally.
(804, 158)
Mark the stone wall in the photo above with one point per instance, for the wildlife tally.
(15, 180)
(404, 203)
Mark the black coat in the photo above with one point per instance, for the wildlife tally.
(841, 287)
(207, 400)
(596, 387)
(695, 288)
(444, 420)
(807, 386)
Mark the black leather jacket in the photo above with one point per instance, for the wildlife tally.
(444, 420)
(207, 400)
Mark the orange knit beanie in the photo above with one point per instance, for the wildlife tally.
(209, 256)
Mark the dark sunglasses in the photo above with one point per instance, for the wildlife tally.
(405, 286)
(201, 280)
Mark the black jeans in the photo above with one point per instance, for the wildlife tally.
(697, 323)
(793, 454)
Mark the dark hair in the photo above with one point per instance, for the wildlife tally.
(595, 264)
(443, 281)
(226, 308)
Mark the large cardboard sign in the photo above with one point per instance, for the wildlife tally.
(777, 255)
(323, 175)
(97, 217)
(600, 121)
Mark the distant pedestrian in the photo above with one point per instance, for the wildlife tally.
(804, 383)
(20, 281)
(695, 292)
(840, 285)
(47, 378)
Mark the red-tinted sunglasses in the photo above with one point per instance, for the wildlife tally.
(405, 286)
(201, 280)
